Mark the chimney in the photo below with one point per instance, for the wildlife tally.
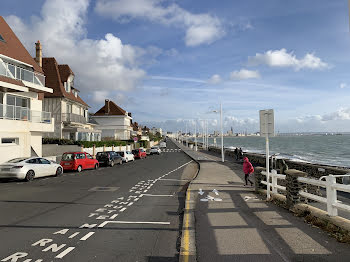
(107, 109)
(38, 54)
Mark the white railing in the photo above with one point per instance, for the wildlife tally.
(274, 181)
(23, 113)
(16, 72)
(331, 186)
(331, 199)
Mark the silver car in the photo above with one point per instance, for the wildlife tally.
(29, 168)
(155, 150)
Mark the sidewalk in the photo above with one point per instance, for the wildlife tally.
(232, 223)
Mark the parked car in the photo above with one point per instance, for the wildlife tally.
(155, 150)
(78, 161)
(109, 158)
(162, 145)
(139, 153)
(29, 168)
(126, 156)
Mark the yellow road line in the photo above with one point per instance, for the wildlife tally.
(186, 233)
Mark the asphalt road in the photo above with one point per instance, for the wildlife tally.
(121, 213)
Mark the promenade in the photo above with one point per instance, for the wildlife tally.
(229, 222)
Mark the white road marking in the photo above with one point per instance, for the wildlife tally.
(133, 222)
(200, 192)
(114, 216)
(122, 210)
(130, 204)
(215, 192)
(87, 236)
(158, 195)
(73, 235)
(168, 179)
(65, 252)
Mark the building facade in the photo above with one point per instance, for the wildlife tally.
(68, 109)
(113, 121)
(22, 85)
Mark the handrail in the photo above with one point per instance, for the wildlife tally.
(25, 114)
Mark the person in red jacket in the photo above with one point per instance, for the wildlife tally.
(247, 169)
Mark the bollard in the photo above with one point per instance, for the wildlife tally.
(82, 148)
(112, 147)
(104, 148)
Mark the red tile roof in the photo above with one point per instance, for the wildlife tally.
(11, 81)
(56, 75)
(114, 110)
(12, 47)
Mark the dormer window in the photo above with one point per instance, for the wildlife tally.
(67, 87)
(75, 93)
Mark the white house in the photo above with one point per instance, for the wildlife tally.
(114, 121)
(22, 83)
(65, 104)
(155, 130)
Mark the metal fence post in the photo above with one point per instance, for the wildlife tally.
(274, 181)
(331, 195)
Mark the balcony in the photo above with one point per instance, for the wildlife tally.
(11, 112)
(19, 73)
(70, 118)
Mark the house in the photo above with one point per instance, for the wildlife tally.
(114, 121)
(154, 131)
(136, 129)
(22, 85)
(68, 109)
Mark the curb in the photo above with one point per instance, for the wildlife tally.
(188, 251)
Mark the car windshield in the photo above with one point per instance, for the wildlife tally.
(16, 160)
(120, 153)
(68, 157)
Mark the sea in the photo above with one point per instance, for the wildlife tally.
(331, 150)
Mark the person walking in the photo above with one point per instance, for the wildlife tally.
(247, 169)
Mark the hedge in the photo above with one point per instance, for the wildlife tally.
(86, 144)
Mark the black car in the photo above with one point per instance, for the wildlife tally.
(109, 158)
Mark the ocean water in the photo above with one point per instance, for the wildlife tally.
(329, 150)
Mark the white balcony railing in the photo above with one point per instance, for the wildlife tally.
(70, 118)
(19, 73)
(24, 114)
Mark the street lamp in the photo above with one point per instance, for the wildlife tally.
(222, 134)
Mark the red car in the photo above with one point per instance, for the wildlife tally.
(78, 161)
(139, 153)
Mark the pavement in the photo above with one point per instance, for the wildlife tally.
(232, 223)
(131, 212)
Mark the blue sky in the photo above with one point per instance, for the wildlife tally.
(171, 61)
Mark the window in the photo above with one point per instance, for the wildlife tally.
(89, 156)
(44, 161)
(12, 140)
(2, 39)
(32, 161)
(80, 156)
(68, 157)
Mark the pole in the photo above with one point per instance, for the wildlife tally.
(207, 134)
(222, 136)
(186, 135)
(267, 157)
(195, 135)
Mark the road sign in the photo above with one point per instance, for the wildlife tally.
(267, 123)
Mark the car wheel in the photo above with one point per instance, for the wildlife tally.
(59, 171)
(111, 163)
(79, 169)
(30, 176)
(96, 166)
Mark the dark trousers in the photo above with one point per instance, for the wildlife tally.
(246, 177)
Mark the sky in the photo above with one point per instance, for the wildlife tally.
(172, 62)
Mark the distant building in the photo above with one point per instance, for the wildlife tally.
(154, 131)
(22, 84)
(113, 121)
(65, 104)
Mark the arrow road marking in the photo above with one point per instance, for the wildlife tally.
(246, 198)
(215, 192)
(200, 192)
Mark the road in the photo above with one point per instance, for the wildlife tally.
(122, 213)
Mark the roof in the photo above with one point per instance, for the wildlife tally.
(12, 47)
(114, 110)
(11, 81)
(55, 75)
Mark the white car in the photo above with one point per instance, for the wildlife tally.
(29, 168)
(155, 150)
(162, 145)
(126, 156)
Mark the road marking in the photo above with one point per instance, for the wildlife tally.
(73, 235)
(123, 209)
(133, 222)
(186, 252)
(200, 192)
(114, 216)
(61, 255)
(158, 195)
(87, 236)
(215, 192)
(179, 180)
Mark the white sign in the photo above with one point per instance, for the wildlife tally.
(267, 123)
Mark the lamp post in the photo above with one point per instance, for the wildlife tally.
(195, 135)
(222, 134)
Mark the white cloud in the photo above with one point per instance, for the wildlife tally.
(281, 58)
(181, 79)
(341, 114)
(343, 85)
(244, 74)
(215, 79)
(105, 64)
(200, 28)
